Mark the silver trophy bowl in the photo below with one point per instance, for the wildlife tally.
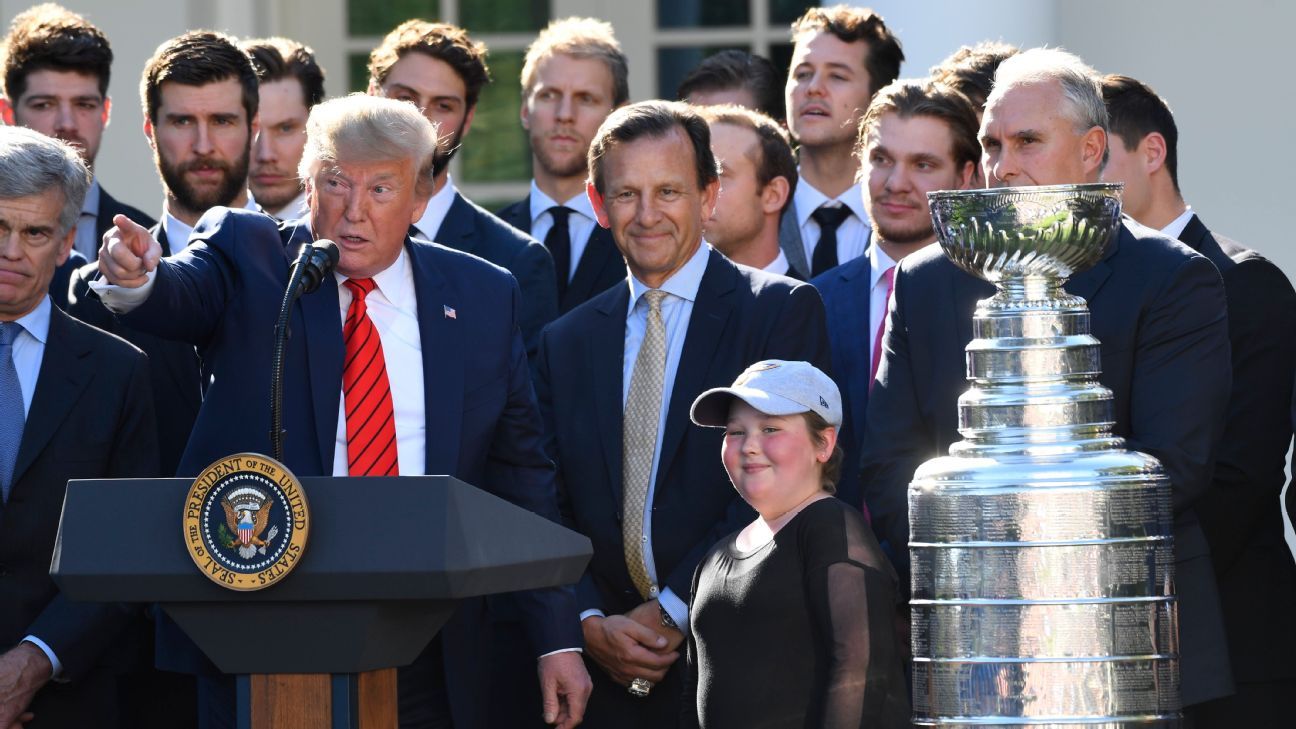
(1042, 559)
(1014, 232)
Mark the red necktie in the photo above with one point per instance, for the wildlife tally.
(889, 275)
(370, 420)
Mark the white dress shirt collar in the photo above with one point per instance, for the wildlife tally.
(807, 200)
(178, 232)
(779, 265)
(395, 283)
(540, 204)
(437, 209)
(879, 262)
(1176, 226)
(684, 283)
(37, 321)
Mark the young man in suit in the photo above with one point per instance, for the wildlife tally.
(56, 67)
(914, 139)
(289, 83)
(841, 56)
(450, 395)
(1240, 510)
(74, 403)
(757, 176)
(441, 70)
(1157, 307)
(616, 378)
(574, 76)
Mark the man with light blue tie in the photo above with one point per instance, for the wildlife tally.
(75, 402)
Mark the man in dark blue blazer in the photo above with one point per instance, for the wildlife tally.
(448, 334)
(1239, 514)
(1157, 307)
(914, 139)
(442, 71)
(655, 181)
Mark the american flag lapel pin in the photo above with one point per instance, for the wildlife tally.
(449, 312)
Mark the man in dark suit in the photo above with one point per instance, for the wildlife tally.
(757, 176)
(1240, 511)
(450, 393)
(56, 68)
(1157, 307)
(439, 69)
(914, 138)
(616, 378)
(74, 403)
(574, 76)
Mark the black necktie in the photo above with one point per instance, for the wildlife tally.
(825, 252)
(558, 241)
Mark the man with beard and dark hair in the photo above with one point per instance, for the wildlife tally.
(441, 70)
(55, 73)
(200, 97)
(291, 82)
(914, 139)
(574, 76)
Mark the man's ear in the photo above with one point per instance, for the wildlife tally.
(107, 111)
(775, 195)
(1092, 146)
(148, 132)
(710, 196)
(966, 176)
(468, 120)
(600, 212)
(7, 111)
(1154, 150)
(66, 245)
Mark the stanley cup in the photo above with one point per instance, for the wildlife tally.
(1042, 556)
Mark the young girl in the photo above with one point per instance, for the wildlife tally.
(791, 618)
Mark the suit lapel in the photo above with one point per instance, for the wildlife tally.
(790, 240)
(1087, 283)
(322, 332)
(441, 339)
(159, 233)
(606, 365)
(66, 369)
(855, 340)
(600, 253)
(457, 230)
(706, 325)
(518, 215)
(1194, 234)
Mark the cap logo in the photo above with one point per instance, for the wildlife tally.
(752, 371)
(823, 401)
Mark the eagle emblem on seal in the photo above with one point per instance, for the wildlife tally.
(247, 513)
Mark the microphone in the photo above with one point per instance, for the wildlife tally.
(317, 261)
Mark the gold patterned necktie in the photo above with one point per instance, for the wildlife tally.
(639, 440)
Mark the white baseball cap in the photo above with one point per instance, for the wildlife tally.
(775, 387)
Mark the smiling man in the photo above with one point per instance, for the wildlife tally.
(914, 139)
(441, 70)
(290, 83)
(616, 378)
(454, 393)
(1157, 307)
(574, 76)
(841, 57)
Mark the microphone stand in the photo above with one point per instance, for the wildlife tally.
(282, 333)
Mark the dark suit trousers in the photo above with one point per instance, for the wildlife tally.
(611, 706)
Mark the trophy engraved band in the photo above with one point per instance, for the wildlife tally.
(1042, 556)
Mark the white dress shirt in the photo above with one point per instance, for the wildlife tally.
(580, 225)
(178, 231)
(295, 210)
(87, 243)
(1176, 226)
(28, 354)
(779, 265)
(393, 308)
(437, 209)
(677, 308)
(852, 234)
(879, 300)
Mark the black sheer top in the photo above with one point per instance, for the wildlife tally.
(798, 632)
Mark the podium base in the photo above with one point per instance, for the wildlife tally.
(317, 700)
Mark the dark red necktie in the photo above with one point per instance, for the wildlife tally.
(889, 275)
(370, 420)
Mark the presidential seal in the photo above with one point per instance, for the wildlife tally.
(246, 522)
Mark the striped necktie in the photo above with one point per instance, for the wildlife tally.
(370, 418)
(639, 441)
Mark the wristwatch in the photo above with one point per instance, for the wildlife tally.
(666, 620)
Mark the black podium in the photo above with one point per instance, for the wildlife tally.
(386, 562)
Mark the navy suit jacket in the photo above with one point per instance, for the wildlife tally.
(223, 293)
(175, 372)
(1159, 310)
(600, 268)
(91, 416)
(110, 206)
(845, 292)
(740, 316)
(1239, 511)
(470, 228)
